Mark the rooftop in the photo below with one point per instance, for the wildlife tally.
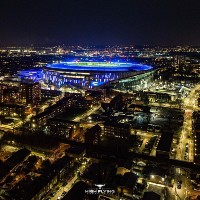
(165, 142)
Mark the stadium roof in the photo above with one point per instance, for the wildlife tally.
(99, 66)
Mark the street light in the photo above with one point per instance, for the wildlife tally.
(13, 125)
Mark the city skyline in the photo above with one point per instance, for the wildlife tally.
(99, 22)
(99, 100)
(67, 127)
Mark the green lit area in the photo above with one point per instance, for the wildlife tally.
(99, 64)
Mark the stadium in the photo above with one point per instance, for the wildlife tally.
(89, 74)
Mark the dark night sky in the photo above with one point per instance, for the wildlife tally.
(99, 22)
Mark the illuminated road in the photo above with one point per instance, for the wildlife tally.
(142, 147)
(146, 136)
(12, 148)
(9, 148)
(73, 180)
(186, 190)
(91, 111)
(185, 148)
(159, 189)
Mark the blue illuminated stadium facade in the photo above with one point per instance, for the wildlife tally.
(34, 74)
(89, 74)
